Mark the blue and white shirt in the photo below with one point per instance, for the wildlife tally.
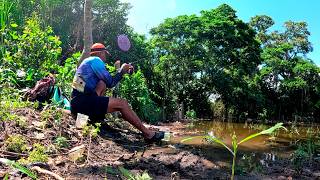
(91, 71)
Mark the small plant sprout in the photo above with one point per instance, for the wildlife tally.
(130, 176)
(235, 144)
(61, 142)
(92, 131)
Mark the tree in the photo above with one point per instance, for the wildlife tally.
(87, 38)
(287, 78)
(215, 50)
(261, 24)
(232, 59)
(177, 54)
(66, 18)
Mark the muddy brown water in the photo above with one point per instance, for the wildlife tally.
(281, 144)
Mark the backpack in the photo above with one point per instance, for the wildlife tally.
(60, 99)
(45, 90)
(42, 91)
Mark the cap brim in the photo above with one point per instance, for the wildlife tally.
(107, 52)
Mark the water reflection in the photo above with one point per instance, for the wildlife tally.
(224, 131)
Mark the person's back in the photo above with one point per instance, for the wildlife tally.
(90, 72)
(86, 72)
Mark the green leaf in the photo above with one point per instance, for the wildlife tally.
(218, 141)
(265, 132)
(14, 36)
(19, 167)
(14, 25)
(212, 138)
(6, 177)
(126, 173)
(190, 138)
(30, 74)
(145, 176)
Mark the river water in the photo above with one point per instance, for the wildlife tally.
(281, 143)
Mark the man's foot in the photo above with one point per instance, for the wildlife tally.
(157, 137)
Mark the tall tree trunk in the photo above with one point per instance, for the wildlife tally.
(76, 44)
(87, 34)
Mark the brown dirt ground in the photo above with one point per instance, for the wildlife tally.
(120, 145)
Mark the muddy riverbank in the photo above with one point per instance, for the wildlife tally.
(119, 145)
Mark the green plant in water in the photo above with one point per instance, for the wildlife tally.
(19, 167)
(298, 158)
(235, 144)
(306, 151)
(16, 143)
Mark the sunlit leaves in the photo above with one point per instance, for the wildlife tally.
(35, 50)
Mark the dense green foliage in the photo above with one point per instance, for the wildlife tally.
(33, 53)
(215, 53)
(199, 65)
(288, 81)
(135, 90)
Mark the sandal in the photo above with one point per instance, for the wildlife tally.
(157, 137)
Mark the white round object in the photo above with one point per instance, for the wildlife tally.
(124, 42)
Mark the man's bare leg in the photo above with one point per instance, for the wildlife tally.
(101, 88)
(117, 104)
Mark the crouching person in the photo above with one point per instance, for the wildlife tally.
(89, 85)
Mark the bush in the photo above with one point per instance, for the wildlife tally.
(306, 151)
(51, 113)
(134, 89)
(299, 158)
(218, 108)
(30, 54)
(66, 73)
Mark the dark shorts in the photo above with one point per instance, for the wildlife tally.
(90, 104)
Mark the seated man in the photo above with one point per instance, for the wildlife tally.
(89, 84)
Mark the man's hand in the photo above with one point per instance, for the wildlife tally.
(117, 64)
(125, 68)
(131, 69)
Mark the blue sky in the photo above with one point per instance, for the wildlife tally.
(146, 14)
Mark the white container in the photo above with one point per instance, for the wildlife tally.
(166, 136)
(81, 121)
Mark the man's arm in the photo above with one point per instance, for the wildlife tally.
(103, 74)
